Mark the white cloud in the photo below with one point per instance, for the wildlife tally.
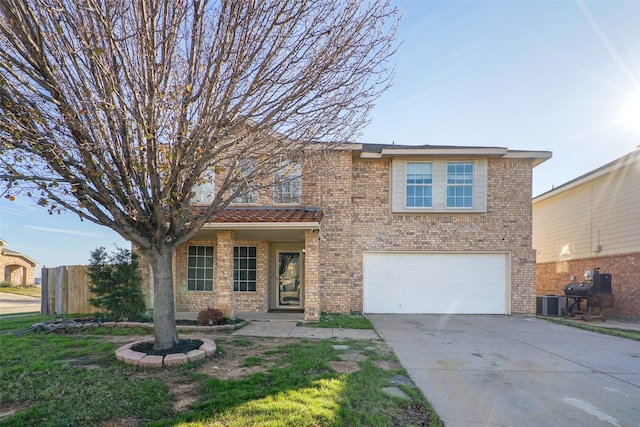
(62, 231)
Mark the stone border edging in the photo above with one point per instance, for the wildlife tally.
(126, 355)
(178, 327)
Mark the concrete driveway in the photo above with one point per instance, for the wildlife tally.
(517, 371)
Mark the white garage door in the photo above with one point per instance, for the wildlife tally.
(436, 283)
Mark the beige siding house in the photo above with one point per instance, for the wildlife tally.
(374, 229)
(592, 222)
(17, 268)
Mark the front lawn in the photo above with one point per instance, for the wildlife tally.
(73, 379)
(346, 321)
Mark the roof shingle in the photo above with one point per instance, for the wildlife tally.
(267, 214)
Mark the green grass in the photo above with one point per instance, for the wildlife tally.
(74, 380)
(345, 321)
(623, 333)
(252, 361)
(55, 380)
(29, 291)
(19, 322)
(302, 390)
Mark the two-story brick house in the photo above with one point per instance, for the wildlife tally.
(374, 229)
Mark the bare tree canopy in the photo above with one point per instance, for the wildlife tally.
(118, 109)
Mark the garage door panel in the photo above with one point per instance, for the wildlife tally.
(435, 283)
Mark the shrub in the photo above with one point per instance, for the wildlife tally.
(210, 316)
(115, 282)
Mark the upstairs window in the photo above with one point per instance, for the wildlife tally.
(205, 190)
(200, 268)
(419, 185)
(438, 185)
(459, 184)
(287, 184)
(248, 191)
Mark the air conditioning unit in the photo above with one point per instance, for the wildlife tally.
(550, 305)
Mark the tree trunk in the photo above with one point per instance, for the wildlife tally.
(164, 314)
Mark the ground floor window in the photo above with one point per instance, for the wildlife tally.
(200, 268)
(245, 263)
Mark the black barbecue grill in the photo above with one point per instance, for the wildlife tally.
(592, 293)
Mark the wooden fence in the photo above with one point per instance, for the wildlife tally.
(65, 290)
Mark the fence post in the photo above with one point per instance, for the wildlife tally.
(44, 288)
(60, 297)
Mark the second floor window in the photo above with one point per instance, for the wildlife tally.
(460, 185)
(205, 190)
(419, 185)
(287, 184)
(248, 192)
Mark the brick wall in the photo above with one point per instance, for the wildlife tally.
(625, 269)
(354, 196)
(20, 271)
(330, 187)
(505, 227)
(312, 301)
(222, 296)
(255, 301)
(192, 300)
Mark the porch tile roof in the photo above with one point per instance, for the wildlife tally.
(268, 214)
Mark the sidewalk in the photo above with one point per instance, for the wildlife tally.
(612, 324)
(289, 329)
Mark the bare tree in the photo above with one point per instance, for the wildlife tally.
(117, 109)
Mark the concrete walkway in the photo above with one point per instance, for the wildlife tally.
(289, 329)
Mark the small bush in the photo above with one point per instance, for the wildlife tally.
(6, 285)
(210, 316)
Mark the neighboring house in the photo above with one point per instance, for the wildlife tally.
(17, 268)
(591, 222)
(374, 229)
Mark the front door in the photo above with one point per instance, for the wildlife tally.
(289, 279)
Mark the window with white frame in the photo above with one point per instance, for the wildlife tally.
(287, 187)
(248, 193)
(245, 267)
(204, 192)
(200, 268)
(419, 185)
(438, 185)
(460, 184)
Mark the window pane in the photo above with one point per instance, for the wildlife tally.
(244, 268)
(418, 184)
(460, 184)
(200, 268)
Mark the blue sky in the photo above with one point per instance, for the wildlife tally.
(538, 75)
